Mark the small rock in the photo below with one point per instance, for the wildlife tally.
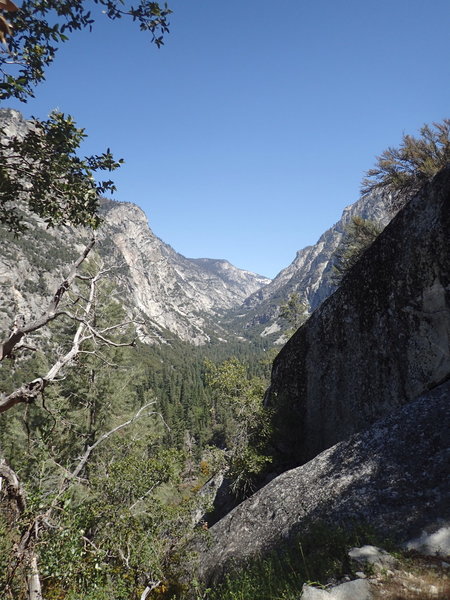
(312, 593)
(359, 589)
(374, 556)
(360, 575)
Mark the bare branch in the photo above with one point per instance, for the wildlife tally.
(153, 585)
(28, 392)
(101, 439)
(18, 332)
(147, 493)
(13, 487)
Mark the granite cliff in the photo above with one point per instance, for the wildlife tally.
(378, 342)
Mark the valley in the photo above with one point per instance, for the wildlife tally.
(164, 424)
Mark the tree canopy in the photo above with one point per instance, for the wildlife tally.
(40, 171)
(37, 29)
(402, 171)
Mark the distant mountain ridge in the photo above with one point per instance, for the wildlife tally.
(309, 274)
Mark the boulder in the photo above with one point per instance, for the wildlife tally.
(359, 589)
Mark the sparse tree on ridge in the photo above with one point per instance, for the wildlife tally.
(400, 172)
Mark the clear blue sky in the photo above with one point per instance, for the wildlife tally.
(250, 130)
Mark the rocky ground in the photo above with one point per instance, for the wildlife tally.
(412, 576)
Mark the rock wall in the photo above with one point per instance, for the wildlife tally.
(379, 341)
(395, 477)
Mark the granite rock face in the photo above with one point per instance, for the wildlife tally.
(379, 341)
(395, 476)
(184, 296)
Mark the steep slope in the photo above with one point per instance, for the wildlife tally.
(378, 342)
(185, 296)
(172, 294)
(309, 274)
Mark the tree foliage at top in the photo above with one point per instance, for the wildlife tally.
(42, 173)
(402, 171)
(40, 26)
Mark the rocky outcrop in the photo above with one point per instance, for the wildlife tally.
(394, 476)
(184, 296)
(379, 341)
(310, 273)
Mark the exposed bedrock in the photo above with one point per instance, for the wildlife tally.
(378, 342)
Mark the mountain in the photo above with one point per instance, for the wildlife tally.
(309, 275)
(171, 294)
(197, 300)
(187, 297)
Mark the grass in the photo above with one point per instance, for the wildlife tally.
(417, 578)
(319, 558)
(316, 558)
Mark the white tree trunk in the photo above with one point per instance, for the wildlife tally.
(34, 582)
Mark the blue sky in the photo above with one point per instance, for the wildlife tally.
(247, 134)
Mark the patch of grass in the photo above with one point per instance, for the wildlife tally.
(316, 558)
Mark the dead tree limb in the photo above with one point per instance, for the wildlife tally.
(21, 330)
(28, 392)
(25, 552)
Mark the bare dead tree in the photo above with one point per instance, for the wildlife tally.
(82, 314)
(75, 301)
(20, 330)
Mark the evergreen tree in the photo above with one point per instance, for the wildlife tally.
(401, 172)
